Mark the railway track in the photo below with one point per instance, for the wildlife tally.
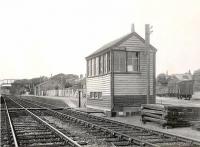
(132, 134)
(5, 130)
(118, 134)
(28, 129)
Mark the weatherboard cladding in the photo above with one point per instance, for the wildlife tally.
(128, 87)
(135, 83)
(99, 84)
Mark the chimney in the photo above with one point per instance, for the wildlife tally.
(132, 28)
(147, 34)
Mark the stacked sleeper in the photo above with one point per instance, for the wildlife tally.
(169, 115)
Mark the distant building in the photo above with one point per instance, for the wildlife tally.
(176, 82)
(174, 78)
(116, 79)
(42, 88)
(59, 82)
(196, 78)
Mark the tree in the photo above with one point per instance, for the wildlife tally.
(26, 85)
(162, 79)
(67, 85)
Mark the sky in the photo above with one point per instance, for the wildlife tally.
(44, 37)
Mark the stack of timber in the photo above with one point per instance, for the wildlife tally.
(196, 125)
(169, 115)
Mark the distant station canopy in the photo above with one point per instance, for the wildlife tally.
(6, 82)
(5, 85)
(118, 74)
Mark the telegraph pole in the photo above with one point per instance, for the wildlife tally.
(79, 98)
(147, 43)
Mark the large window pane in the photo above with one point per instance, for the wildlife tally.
(119, 61)
(132, 61)
(90, 67)
(105, 63)
(108, 57)
(93, 67)
(97, 65)
(101, 65)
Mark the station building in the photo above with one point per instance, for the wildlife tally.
(118, 74)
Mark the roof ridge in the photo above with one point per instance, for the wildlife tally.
(117, 42)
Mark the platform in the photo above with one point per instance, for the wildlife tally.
(89, 110)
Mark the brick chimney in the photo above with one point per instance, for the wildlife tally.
(132, 28)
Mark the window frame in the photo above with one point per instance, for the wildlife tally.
(101, 64)
(96, 66)
(125, 70)
(105, 63)
(138, 61)
(95, 95)
(108, 62)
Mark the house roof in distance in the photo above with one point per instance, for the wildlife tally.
(183, 77)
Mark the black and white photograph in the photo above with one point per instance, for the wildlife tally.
(100, 73)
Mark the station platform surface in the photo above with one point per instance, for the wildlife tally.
(73, 103)
(89, 110)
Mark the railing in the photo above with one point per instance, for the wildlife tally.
(63, 93)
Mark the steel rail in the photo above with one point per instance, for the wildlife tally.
(178, 137)
(128, 138)
(11, 126)
(170, 135)
(66, 138)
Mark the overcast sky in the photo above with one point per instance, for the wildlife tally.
(44, 37)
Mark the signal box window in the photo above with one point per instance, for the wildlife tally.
(105, 63)
(101, 65)
(132, 61)
(119, 61)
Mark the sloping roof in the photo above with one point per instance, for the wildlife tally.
(183, 77)
(197, 72)
(118, 42)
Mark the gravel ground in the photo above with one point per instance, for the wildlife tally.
(79, 134)
(135, 120)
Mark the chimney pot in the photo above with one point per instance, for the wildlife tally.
(132, 28)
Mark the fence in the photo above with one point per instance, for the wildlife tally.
(64, 93)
